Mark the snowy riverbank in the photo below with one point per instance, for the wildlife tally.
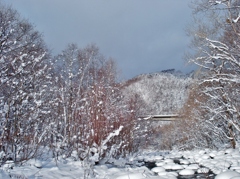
(223, 164)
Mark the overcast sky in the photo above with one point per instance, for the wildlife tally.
(143, 36)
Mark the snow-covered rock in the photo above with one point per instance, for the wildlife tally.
(203, 170)
(213, 154)
(158, 169)
(228, 175)
(186, 172)
(177, 167)
(235, 168)
(223, 164)
(167, 175)
(159, 164)
(168, 166)
(132, 176)
(205, 156)
(193, 166)
(182, 161)
(168, 161)
(158, 158)
(38, 164)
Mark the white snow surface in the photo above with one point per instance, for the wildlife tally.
(225, 164)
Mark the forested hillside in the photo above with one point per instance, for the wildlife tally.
(158, 93)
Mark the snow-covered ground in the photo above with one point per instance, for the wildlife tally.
(224, 164)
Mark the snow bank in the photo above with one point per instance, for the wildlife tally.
(225, 164)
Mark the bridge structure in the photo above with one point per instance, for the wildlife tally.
(168, 117)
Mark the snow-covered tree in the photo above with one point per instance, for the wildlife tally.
(216, 44)
(90, 105)
(24, 81)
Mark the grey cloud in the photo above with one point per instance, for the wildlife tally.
(143, 36)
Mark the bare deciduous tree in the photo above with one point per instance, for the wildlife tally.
(23, 84)
(216, 45)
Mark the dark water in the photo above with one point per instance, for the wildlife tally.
(150, 165)
(209, 175)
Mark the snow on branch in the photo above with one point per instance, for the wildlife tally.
(217, 46)
(236, 20)
(103, 145)
(223, 77)
(111, 135)
(219, 2)
(221, 52)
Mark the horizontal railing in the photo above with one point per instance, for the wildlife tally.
(169, 117)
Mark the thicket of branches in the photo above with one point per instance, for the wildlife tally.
(217, 55)
(212, 111)
(70, 103)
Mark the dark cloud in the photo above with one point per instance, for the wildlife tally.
(142, 36)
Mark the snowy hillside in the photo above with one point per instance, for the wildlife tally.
(158, 93)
